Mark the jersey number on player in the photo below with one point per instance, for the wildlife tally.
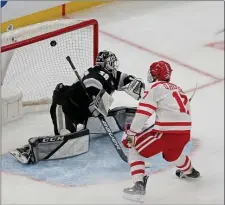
(105, 75)
(182, 104)
(145, 94)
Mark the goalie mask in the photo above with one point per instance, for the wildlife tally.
(108, 60)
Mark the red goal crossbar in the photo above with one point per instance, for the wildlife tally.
(91, 22)
(33, 66)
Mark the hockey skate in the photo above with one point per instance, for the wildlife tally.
(193, 175)
(23, 154)
(137, 192)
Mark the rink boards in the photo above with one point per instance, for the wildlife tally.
(101, 164)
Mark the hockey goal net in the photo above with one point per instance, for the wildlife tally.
(34, 57)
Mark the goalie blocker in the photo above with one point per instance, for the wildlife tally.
(72, 144)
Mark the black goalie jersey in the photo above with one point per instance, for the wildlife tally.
(73, 98)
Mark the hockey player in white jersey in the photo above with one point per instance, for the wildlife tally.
(170, 134)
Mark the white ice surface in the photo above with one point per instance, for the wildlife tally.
(176, 29)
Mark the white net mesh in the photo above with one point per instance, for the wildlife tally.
(37, 68)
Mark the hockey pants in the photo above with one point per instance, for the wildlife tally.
(151, 143)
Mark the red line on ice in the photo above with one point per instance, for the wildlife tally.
(158, 54)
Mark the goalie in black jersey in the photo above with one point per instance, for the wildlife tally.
(73, 105)
(76, 105)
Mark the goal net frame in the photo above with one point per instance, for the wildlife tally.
(51, 34)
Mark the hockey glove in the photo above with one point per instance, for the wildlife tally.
(129, 138)
(135, 88)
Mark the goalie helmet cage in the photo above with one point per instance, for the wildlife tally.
(34, 57)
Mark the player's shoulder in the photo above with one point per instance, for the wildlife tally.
(172, 86)
(95, 68)
(165, 85)
(92, 71)
(156, 85)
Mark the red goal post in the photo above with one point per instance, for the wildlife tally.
(34, 57)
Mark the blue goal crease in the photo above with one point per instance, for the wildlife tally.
(96, 166)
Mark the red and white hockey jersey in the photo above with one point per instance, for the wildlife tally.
(170, 105)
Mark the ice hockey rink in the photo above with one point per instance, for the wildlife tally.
(139, 33)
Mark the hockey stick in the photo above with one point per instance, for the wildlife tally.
(101, 118)
(196, 87)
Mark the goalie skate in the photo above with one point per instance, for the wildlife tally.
(137, 192)
(21, 154)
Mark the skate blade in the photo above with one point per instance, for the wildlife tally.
(189, 178)
(18, 156)
(134, 198)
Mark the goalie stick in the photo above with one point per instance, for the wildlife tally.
(101, 118)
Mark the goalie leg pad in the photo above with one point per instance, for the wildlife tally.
(59, 147)
(60, 118)
(63, 121)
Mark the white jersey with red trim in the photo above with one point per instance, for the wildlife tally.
(170, 105)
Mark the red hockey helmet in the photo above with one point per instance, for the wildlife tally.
(160, 70)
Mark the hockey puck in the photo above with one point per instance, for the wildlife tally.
(53, 43)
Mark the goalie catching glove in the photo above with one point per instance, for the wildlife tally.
(135, 88)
